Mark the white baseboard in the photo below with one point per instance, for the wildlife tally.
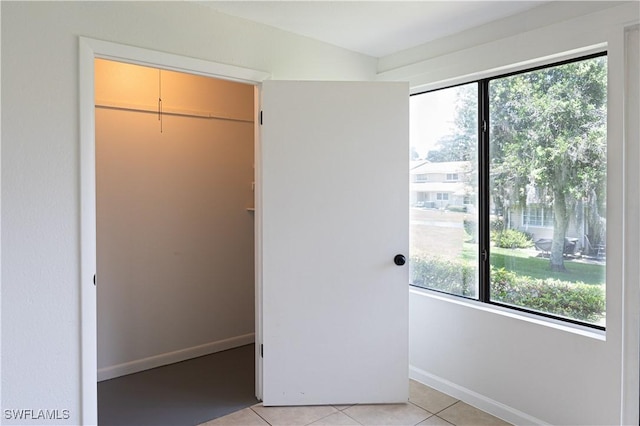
(475, 399)
(159, 360)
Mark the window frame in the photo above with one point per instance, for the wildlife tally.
(483, 197)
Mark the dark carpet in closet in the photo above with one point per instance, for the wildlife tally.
(186, 393)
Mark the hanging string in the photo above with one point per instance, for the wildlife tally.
(160, 98)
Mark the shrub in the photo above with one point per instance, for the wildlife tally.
(497, 224)
(454, 277)
(459, 209)
(470, 227)
(578, 301)
(512, 238)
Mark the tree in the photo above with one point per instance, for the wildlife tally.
(414, 154)
(548, 141)
(461, 143)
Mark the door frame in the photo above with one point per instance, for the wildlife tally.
(90, 49)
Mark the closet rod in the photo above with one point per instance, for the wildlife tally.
(177, 113)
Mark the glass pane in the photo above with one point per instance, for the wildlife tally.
(548, 144)
(443, 169)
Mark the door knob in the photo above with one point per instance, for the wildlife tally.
(399, 259)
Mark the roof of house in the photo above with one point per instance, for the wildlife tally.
(455, 188)
(425, 167)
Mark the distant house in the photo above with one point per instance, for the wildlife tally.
(537, 220)
(439, 185)
(535, 217)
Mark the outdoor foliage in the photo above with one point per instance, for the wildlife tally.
(450, 276)
(470, 227)
(459, 209)
(460, 144)
(547, 168)
(497, 224)
(577, 301)
(548, 143)
(520, 263)
(512, 238)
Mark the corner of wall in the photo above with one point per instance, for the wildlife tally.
(475, 399)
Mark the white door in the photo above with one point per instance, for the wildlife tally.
(335, 213)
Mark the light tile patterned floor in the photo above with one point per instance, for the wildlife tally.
(426, 406)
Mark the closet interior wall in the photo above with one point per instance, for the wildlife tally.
(175, 232)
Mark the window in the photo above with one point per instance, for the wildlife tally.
(532, 238)
(444, 130)
(537, 216)
(420, 177)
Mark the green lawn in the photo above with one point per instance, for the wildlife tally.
(523, 263)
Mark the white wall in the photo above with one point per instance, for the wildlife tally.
(0, 213)
(174, 238)
(40, 160)
(40, 197)
(631, 337)
(524, 370)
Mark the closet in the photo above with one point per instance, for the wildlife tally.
(175, 229)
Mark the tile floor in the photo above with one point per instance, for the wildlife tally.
(426, 406)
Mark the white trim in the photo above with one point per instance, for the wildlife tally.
(257, 203)
(88, 320)
(89, 49)
(631, 292)
(0, 207)
(169, 61)
(475, 399)
(159, 360)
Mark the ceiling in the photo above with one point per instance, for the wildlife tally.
(375, 28)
